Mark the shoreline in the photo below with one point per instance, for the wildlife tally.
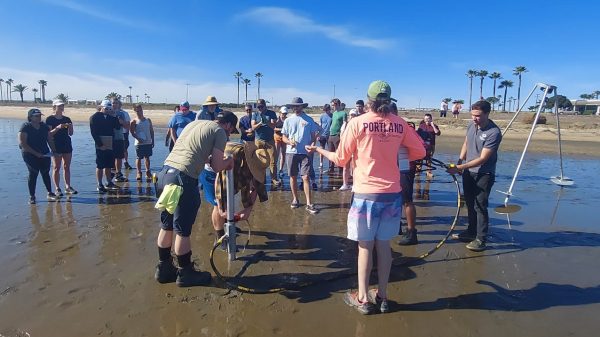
(580, 134)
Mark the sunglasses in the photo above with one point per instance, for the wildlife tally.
(260, 106)
(248, 110)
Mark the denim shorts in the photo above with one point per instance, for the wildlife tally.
(182, 220)
(207, 179)
(374, 216)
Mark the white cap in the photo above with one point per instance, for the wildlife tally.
(353, 112)
(106, 104)
(57, 102)
(283, 110)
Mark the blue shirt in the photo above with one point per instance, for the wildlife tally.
(265, 132)
(245, 124)
(205, 115)
(325, 121)
(299, 128)
(179, 122)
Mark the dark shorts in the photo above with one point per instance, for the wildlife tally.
(182, 220)
(334, 142)
(143, 151)
(105, 159)
(407, 182)
(207, 179)
(119, 149)
(297, 163)
(126, 142)
(63, 148)
(323, 141)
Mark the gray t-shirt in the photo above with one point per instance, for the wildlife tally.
(477, 139)
(194, 145)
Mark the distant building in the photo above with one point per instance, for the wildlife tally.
(586, 106)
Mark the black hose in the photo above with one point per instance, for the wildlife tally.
(343, 274)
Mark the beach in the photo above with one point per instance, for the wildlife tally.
(84, 266)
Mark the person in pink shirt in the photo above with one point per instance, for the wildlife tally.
(372, 140)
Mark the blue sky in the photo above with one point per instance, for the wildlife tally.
(87, 49)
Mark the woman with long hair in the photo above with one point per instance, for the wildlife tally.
(372, 140)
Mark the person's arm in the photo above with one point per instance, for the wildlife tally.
(151, 131)
(95, 134)
(436, 129)
(453, 169)
(132, 129)
(344, 152)
(486, 154)
(218, 162)
(255, 125)
(414, 144)
(271, 122)
(22, 138)
(173, 133)
(70, 129)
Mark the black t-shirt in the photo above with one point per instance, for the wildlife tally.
(37, 139)
(62, 140)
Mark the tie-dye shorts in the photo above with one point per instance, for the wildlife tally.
(378, 219)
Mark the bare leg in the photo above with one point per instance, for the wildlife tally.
(365, 263)
(99, 176)
(107, 174)
(165, 239)
(306, 183)
(56, 164)
(182, 245)
(384, 265)
(411, 215)
(147, 163)
(67, 168)
(138, 166)
(294, 188)
(217, 221)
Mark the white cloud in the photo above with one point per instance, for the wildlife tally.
(96, 86)
(101, 14)
(284, 18)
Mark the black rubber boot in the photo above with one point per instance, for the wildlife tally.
(409, 238)
(166, 272)
(189, 277)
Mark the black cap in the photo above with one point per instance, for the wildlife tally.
(228, 117)
(33, 111)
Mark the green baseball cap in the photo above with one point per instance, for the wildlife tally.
(380, 90)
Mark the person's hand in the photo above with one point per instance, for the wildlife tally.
(292, 143)
(452, 169)
(310, 148)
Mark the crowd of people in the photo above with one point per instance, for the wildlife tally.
(376, 151)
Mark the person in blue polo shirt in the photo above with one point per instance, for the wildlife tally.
(179, 121)
(263, 124)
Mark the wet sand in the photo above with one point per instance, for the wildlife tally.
(85, 266)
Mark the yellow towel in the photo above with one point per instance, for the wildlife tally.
(169, 198)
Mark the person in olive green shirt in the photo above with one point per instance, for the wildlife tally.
(338, 118)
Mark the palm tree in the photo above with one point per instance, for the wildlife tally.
(238, 75)
(246, 83)
(518, 71)
(20, 88)
(1, 93)
(505, 84)
(597, 93)
(130, 100)
(586, 96)
(35, 91)
(494, 76)
(482, 74)
(258, 76)
(43, 84)
(113, 95)
(62, 97)
(470, 74)
(9, 83)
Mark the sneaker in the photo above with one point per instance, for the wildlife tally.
(52, 197)
(190, 277)
(295, 204)
(120, 178)
(32, 200)
(374, 298)
(463, 236)
(59, 193)
(315, 186)
(351, 299)
(311, 209)
(101, 189)
(345, 188)
(476, 245)
(127, 166)
(409, 238)
(166, 272)
(112, 186)
(70, 190)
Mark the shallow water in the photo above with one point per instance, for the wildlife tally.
(85, 266)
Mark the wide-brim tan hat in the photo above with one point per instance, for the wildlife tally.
(258, 161)
(211, 100)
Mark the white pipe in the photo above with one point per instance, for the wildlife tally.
(230, 224)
